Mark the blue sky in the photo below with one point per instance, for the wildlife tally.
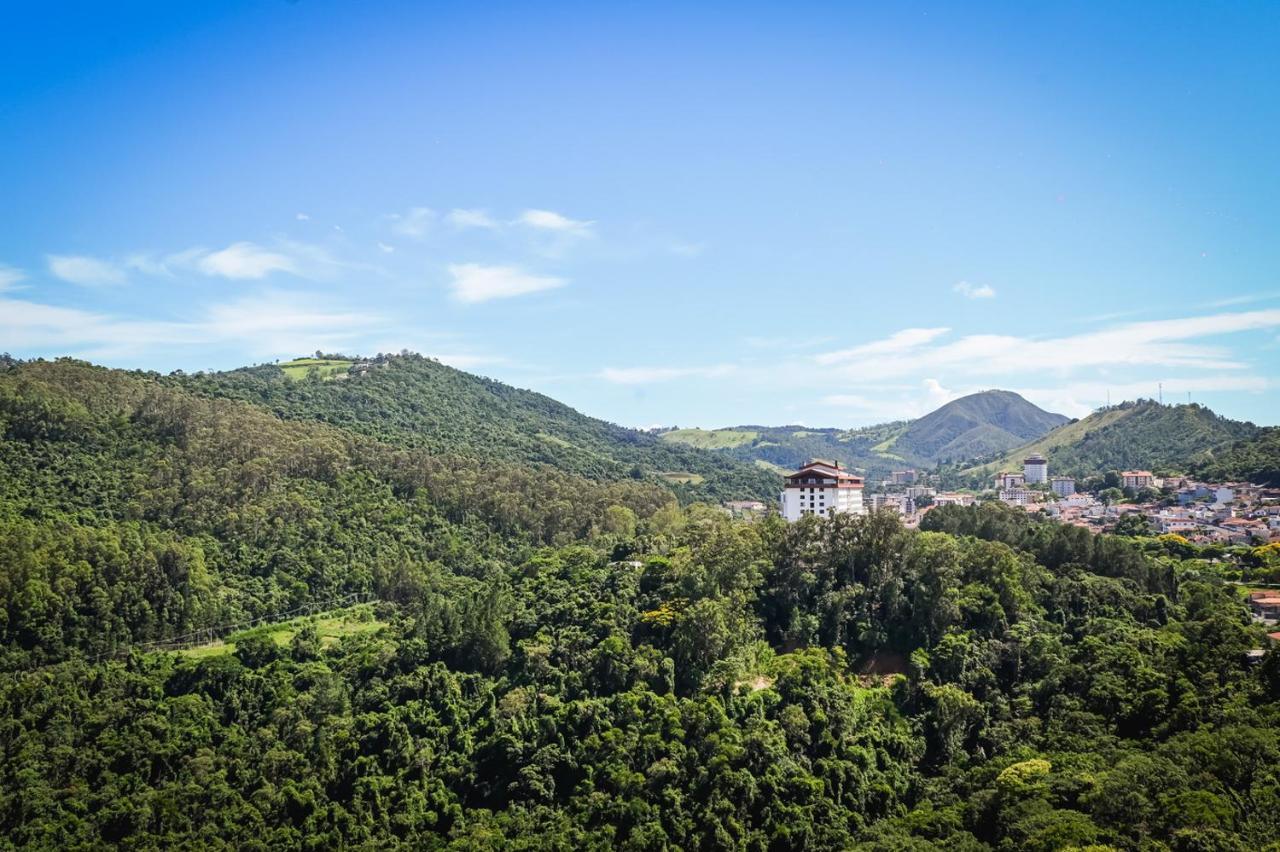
(831, 214)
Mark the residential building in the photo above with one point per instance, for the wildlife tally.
(1017, 496)
(1035, 468)
(821, 488)
(1063, 486)
(1007, 481)
(953, 499)
(1137, 479)
(903, 477)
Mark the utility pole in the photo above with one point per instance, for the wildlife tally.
(1160, 385)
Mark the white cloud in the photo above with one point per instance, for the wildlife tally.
(10, 277)
(474, 282)
(303, 217)
(245, 260)
(551, 221)
(384, 248)
(471, 219)
(1156, 343)
(268, 324)
(85, 271)
(975, 291)
(649, 375)
(902, 341)
(415, 223)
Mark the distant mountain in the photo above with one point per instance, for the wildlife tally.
(1142, 434)
(976, 425)
(417, 402)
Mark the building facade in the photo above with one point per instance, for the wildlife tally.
(1136, 479)
(1035, 468)
(1063, 486)
(1008, 481)
(821, 488)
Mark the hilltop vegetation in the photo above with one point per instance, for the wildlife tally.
(415, 402)
(1255, 459)
(1142, 435)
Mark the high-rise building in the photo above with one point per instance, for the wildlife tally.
(1035, 468)
(821, 488)
(1063, 486)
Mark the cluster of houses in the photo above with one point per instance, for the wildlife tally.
(1203, 513)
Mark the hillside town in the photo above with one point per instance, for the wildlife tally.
(1131, 501)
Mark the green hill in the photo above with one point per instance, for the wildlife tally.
(1142, 434)
(417, 402)
(975, 425)
(1255, 459)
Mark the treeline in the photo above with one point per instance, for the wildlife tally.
(416, 402)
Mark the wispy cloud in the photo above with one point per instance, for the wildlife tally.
(901, 341)
(1155, 343)
(471, 219)
(475, 282)
(85, 271)
(272, 323)
(245, 260)
(10, 277)
(974, 291)
(413, 224)
(549, 220)
(650, 375)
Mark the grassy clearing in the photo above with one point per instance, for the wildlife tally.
(680, 478)
(711, 439)
(298, 368)
(770, 466)
(331, 627)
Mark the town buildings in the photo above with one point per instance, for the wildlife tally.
(821, 488)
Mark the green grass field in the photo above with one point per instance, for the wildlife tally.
(331, 627)
(681, 478)
(711, 439)
(298, 368)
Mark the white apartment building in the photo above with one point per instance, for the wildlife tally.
(1035, 468)
(1136, 479)
(821, 488)
(1063, 486)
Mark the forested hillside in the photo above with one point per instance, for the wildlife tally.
(1255, 459)
(416, 402)
(789, 447)
(1142, 434)
(552, 662)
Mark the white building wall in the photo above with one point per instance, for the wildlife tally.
(1036, 472)
(795, 503)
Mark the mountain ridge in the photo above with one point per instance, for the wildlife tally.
(971, 426)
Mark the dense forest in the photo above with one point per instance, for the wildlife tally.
(1255, 459)
(563, 662)
(416, 402)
